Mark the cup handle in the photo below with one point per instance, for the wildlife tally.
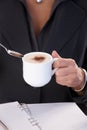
(54, 70)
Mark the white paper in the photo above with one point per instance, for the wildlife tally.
(50, 116)
(14, 118)
(59, 116)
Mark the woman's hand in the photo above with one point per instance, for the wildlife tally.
(68, 73)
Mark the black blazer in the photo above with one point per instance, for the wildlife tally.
(66, 32)
(82, 4)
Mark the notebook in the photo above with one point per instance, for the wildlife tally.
(15, 118)
(59, 116)
(48, 116)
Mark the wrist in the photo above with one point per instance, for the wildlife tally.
(80, 89)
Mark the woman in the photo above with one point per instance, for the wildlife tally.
(29, 25)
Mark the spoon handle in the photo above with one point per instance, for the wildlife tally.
(11, 52)
(3, 47)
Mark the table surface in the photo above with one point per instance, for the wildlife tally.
(83, 108)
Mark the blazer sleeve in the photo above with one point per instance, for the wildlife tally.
(83, 35)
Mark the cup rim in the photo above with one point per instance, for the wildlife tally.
(31, 53)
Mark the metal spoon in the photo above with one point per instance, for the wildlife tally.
(11, 52)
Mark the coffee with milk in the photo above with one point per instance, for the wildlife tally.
(37, 58)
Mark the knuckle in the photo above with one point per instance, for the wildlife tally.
(72, 62)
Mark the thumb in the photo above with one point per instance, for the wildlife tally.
(55, 54)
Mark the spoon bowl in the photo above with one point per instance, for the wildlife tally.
(11, 52)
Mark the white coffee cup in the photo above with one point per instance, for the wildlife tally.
(37, 68)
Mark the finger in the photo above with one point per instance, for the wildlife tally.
(55, 54)
(71, 79)
(63, 62)
(65, 71)
(67, 80)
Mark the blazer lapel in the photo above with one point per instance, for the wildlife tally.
(68, 20)
(15, 33)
